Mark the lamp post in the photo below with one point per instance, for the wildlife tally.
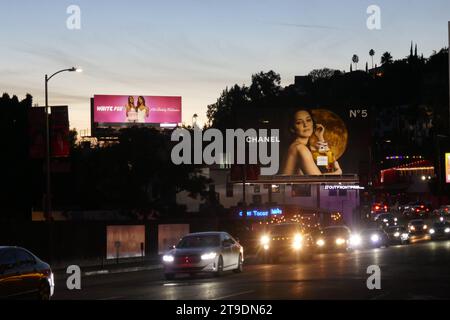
(48, 201)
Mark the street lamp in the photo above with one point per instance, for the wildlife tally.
(48, 204)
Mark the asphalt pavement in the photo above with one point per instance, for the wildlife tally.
(417, 271)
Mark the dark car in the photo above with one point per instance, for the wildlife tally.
(417, 227)
(23, 275)
(418, 230)
(285, 240)
(370, 238)
(397, 234)
(443, 213)
(418, 210)
(386, 220)
(440, 230)
(333, 238)
(378, 208)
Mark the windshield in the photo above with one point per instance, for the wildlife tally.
(203, 241)
(335, 231)
(416, 223)
(285, 229)
(441, 225)
(370, 231)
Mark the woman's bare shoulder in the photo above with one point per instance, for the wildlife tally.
(299, 147)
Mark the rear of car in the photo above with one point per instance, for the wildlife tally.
(287, 240)
(23, 275)
(377, 209)
(418, 210)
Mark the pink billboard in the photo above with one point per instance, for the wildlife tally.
(114, 109)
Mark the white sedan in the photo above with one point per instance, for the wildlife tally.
(213, 252)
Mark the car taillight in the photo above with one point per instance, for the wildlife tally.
(377, 208)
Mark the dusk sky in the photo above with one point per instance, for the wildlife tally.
(195, 49)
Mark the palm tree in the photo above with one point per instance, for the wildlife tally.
(386, 58)
(355, 60)
(372, 53)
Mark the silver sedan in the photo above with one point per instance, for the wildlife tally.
(213, 252)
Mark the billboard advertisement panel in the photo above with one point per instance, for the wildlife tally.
(124, 241)
(324, 141)
(315, 141)
(124, 110)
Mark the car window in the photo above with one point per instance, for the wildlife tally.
(229, 239)
(24, 258)
(202, 241)
(285, 229)
(7, 260)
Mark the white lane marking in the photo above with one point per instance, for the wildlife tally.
(93, 273)
(233, 295)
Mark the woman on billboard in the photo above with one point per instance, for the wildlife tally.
(302, 157)
(130, 111)
(142, 110)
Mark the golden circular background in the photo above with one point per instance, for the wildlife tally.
(336, 133)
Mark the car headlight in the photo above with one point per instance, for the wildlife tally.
(375, 238)
(397, 234)
(395, 219)
(265, 240)
(340, 241)
(405, 236)
(425, 227)
(432, 231)
(355, 240)
(298, 240)
(168, 258)
(447, 230)
(320, 242)
(208, 256)
(412, 228)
